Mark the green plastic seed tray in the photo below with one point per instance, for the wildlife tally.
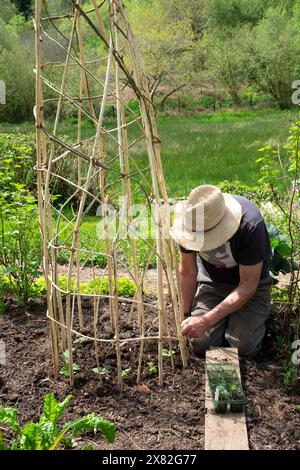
(225, 387)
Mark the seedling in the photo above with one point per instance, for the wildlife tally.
(65, 370)
(167, 353)
(100, 370)
(152, 368)
(225, 387)
(126, 372)
(80, 340)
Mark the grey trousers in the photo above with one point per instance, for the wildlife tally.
(243, 329)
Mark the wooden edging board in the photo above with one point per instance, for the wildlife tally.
(224, 431)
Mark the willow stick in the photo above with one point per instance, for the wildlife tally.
(161, 310)
(95, 323)
(79, 170)
(41, 160)
(116, 323)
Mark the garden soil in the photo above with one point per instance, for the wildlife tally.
(147, 417)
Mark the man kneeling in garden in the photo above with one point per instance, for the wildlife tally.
(226, 297)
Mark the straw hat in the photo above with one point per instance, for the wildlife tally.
(206, 220)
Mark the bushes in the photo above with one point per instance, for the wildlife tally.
(255, 194)
(16, 68)
(18, 151)
(126, 287)
(20, 254)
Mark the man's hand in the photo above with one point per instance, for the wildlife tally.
(195, 327)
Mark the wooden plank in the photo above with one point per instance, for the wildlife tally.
(224, 431)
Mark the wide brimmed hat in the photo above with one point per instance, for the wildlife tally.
(206, 220)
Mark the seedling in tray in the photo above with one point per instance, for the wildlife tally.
(225, 387)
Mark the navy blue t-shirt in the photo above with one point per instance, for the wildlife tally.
(249, 246)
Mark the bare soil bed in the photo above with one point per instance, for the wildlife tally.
(147, 417)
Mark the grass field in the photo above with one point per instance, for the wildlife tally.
(206, 148)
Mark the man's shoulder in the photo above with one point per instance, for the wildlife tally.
(251, 215)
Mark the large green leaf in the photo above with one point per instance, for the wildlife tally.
(49, 409)
(52, 409)
(31, 437)
(92, 421)
(63, 405)
(279, 263)
(65, 370)
(8, 416)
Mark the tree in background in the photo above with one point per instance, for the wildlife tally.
(8, 10)
(24, 6)
(271, 54)
(232, 14)
(254, 43)
(224, 66)
(218, 48)
(167, 45)
(16, 64)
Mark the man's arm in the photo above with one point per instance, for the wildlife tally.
(195, 327)
(188, 272)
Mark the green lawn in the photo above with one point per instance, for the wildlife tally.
(206, 148)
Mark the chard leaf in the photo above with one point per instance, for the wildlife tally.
(31, 438)
(63, 405)
(8, 416)
(92, 421)
(52, 409)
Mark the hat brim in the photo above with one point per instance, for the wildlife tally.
(211, 239)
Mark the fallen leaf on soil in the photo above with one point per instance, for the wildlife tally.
(144, 389)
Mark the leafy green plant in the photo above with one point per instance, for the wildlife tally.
(20, 253)
(65, 370)
(255, 194)
(100, 371)
(80, 340)
(152, 368)
(297, 408)
(19, 151)
(280, 176)
(290, 374)
(166, 353)
(282, 251)
(47, 434)
(126, 372)
(100, 286)
(224, 383)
